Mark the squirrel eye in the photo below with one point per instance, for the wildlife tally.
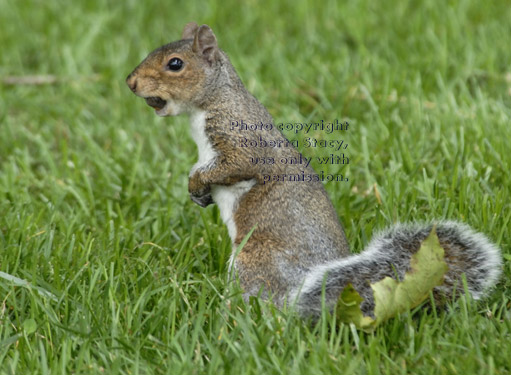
(175, 64)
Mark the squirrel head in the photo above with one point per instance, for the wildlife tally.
(176, 77)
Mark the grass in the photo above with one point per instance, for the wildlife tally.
(108, 267)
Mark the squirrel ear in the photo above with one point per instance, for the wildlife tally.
(205, 43)
(189, 30)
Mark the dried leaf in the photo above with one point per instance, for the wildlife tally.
(392, 297)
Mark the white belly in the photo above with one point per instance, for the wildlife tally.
(227, 199)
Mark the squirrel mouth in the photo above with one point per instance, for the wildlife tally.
(155, 102)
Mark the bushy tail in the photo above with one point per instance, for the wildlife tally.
(388, 254)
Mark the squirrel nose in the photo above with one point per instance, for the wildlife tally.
(131, 82)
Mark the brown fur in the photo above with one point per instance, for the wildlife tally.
(277, 209)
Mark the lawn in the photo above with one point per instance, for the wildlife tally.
(107, 266)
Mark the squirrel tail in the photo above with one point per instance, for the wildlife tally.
(389, 253)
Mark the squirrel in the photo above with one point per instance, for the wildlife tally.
(297, 251)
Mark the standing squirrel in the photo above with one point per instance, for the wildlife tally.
(297, 251)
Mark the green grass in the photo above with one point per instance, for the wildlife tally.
(108, 267)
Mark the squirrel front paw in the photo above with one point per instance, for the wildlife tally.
(200, 192)
(202, 200)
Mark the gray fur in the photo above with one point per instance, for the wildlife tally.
(466, 253)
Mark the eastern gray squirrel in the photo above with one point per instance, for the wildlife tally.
(298, 247)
